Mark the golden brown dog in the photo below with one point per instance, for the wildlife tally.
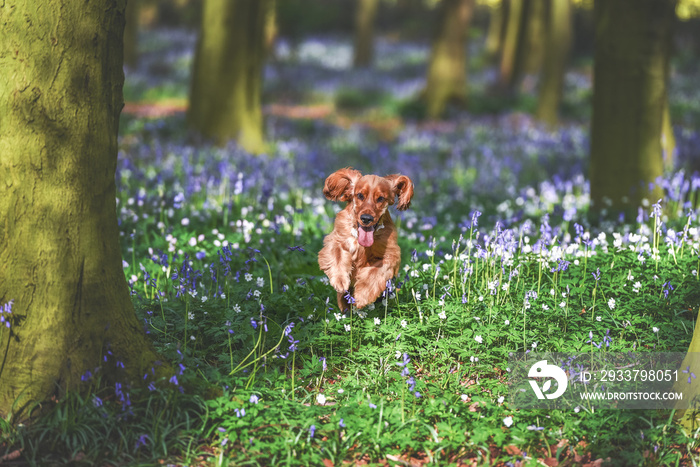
(361, 254)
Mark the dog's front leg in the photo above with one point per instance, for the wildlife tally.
(337, 264)
(370, 282)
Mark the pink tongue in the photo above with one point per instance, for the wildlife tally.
(365, 237)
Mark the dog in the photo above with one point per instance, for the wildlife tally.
(361, 254)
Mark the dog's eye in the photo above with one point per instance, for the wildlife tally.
(360, 196)
(380, 199)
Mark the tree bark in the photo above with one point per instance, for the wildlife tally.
(633, 39)
(227, 75)
(447, 71)
(364, 32)
(60, 101)
(513, 40)
(554, 67)
(533, 49)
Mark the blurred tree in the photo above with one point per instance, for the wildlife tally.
(227, 75)
(496, 29)
(364, 32)
(512, 46)
(447, 70)
(558, 43)
(633, 41)
(60, 99)
(271, 29)
(131, 33)
(535, 35)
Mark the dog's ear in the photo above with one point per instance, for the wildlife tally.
(403, 188)
(339, 185)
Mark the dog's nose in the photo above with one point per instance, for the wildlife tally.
(366, 219)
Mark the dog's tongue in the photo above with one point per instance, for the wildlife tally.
(365, 236)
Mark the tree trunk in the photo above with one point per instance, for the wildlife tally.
(227, 75)
(447, 71)
(271, 28)
(60, 101)
(535, 36)
(131, 33)
(364, 32)
(668, 139)
(554, 67)
(510, 67)
(494, 35)
(633, 39)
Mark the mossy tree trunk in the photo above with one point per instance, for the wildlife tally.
(60, 99)
(364, 32)
(633, 39)
(227, 76)
(131, 33)
(447, 71)
(271, 28)
(558, 44)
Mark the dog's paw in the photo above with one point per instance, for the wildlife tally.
(340, 284)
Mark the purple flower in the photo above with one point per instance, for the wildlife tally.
(254, 399)
(341, 423)
(312, 430)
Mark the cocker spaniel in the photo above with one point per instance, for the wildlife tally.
(362, 254)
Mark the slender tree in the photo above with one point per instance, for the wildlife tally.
(633, 39)
(60, 99)
(227, 75)
(511, 46)
(558, 44)
(447, 71)
(364, 32)
(494, 34)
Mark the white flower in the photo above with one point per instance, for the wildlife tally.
(598, 318)
(473, 359)
(192, 241)
(418, 297)
(611, 303)
(507, 322)
(341, 390)
(505, 286)
(636, 286)
(562, 305)
(403, 323)
(347, 327)
(185, 221)
(464, 397)
(479, 339)
(481, 298)
(534, 345)
(192, 338)
(551, 292)
(338, 316)
(320, 399)
(508, 421)
(398, 354)
(260, 281)
(577, 409)
(655, 329)
(501, 399)
(448, 257)
(248, 277)
(641, 258)
(442, 315)
(256, 293)
(237, 308)
(430, 253)
(190, 315)
(377, 321)
(545, 307)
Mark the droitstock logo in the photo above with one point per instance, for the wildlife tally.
(542, 370)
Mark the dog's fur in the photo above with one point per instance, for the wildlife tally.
(356, 259)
